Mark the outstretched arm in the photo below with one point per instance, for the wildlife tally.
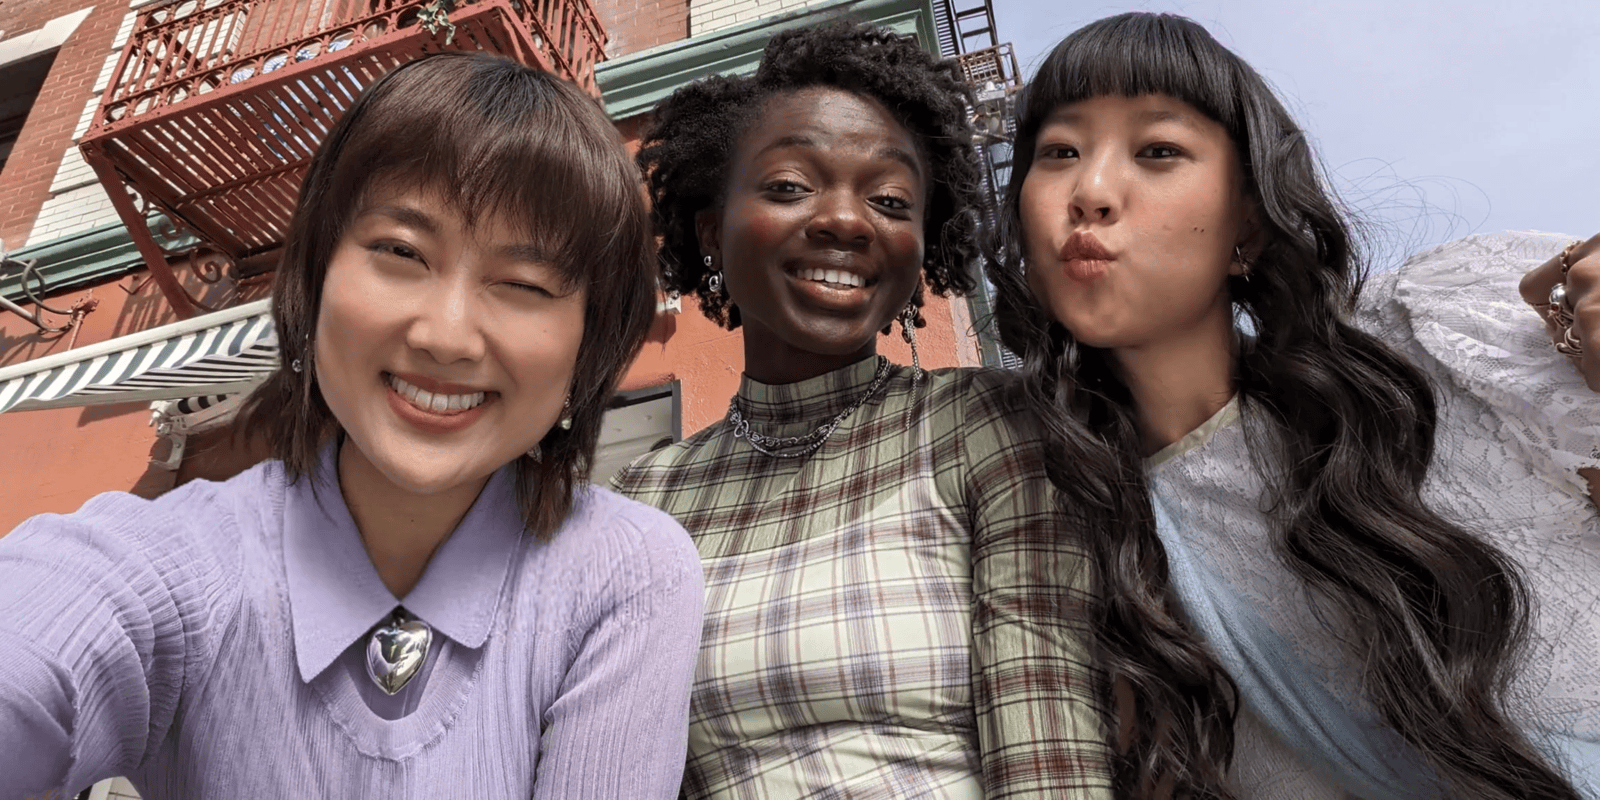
(99, 613)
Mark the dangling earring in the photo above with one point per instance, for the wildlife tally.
(297, 366)
(536, 453)
(713, 279)
(1244, 266)
(566, 421)
(908, 331)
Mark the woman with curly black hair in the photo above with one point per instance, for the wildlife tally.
(1293, 583)
(870, 532)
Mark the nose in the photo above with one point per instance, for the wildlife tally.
(448, 325)
(841, 218)
(1096, 195)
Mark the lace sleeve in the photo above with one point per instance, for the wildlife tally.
(1456, 311)
(1516, 424)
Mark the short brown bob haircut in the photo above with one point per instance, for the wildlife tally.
(492, 137)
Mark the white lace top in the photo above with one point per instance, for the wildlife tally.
(1516, 422)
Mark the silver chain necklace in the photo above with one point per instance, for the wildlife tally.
(798, 446)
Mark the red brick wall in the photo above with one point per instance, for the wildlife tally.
(635, 25)
(25, 183)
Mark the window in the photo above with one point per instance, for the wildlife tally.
(20, 82)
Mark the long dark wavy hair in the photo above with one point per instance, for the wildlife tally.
(1440, 615)
(690, 147)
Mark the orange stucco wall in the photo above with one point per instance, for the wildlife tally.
(54, 460)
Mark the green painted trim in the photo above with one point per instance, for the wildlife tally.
(79, 259)
(633, 84)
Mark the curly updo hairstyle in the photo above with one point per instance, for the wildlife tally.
(691, 145)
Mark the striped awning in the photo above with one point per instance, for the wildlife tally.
(216, 354)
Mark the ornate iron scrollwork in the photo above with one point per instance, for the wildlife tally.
(30, 271)
(436, 17)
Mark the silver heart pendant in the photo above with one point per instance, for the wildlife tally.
(397, 650)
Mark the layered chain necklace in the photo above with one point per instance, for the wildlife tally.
(805, 445)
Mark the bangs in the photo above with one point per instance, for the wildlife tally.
(493, 139)
(1138, 54)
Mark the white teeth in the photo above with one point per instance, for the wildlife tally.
(437, 403)
(837, 277)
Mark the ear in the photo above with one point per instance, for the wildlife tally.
(1251, 238)
(708, 228)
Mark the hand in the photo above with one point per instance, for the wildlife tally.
(1583, 298)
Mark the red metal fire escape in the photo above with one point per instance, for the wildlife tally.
(216, 106)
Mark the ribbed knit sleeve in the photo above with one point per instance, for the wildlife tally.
(619, 728)
(105, 615)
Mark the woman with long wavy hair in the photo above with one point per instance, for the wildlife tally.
(1318, 580)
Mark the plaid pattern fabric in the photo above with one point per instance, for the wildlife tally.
(898, 614)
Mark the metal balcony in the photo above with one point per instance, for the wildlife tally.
(216, 107)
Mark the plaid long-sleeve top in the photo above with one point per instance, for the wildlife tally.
(900, 614)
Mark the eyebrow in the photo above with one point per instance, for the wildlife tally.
(527, 252)
(890, 153)
(407, 216)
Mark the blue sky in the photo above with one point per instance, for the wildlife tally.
(1436, 119)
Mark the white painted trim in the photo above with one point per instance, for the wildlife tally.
(51, 36)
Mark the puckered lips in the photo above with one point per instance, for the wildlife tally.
(435, 406)
(1084, 258)
(834, 280)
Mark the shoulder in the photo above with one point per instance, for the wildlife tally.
(196, 518)
(624, 546)
(982, 406)
(1457, 282)
(649, 474)
(976, 391)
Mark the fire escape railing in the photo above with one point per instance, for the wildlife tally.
(991, 70)
(215, 106)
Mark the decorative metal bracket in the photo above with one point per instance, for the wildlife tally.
(30, 270)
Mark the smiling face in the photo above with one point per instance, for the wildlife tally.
(820, 238)
(1131, 210)
(444, 351)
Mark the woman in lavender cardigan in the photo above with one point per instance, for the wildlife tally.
(420, 596)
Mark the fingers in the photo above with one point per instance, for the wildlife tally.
(1583, 293)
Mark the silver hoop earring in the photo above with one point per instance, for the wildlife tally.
(295, 366)
(1244, 266)
(714, 282)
